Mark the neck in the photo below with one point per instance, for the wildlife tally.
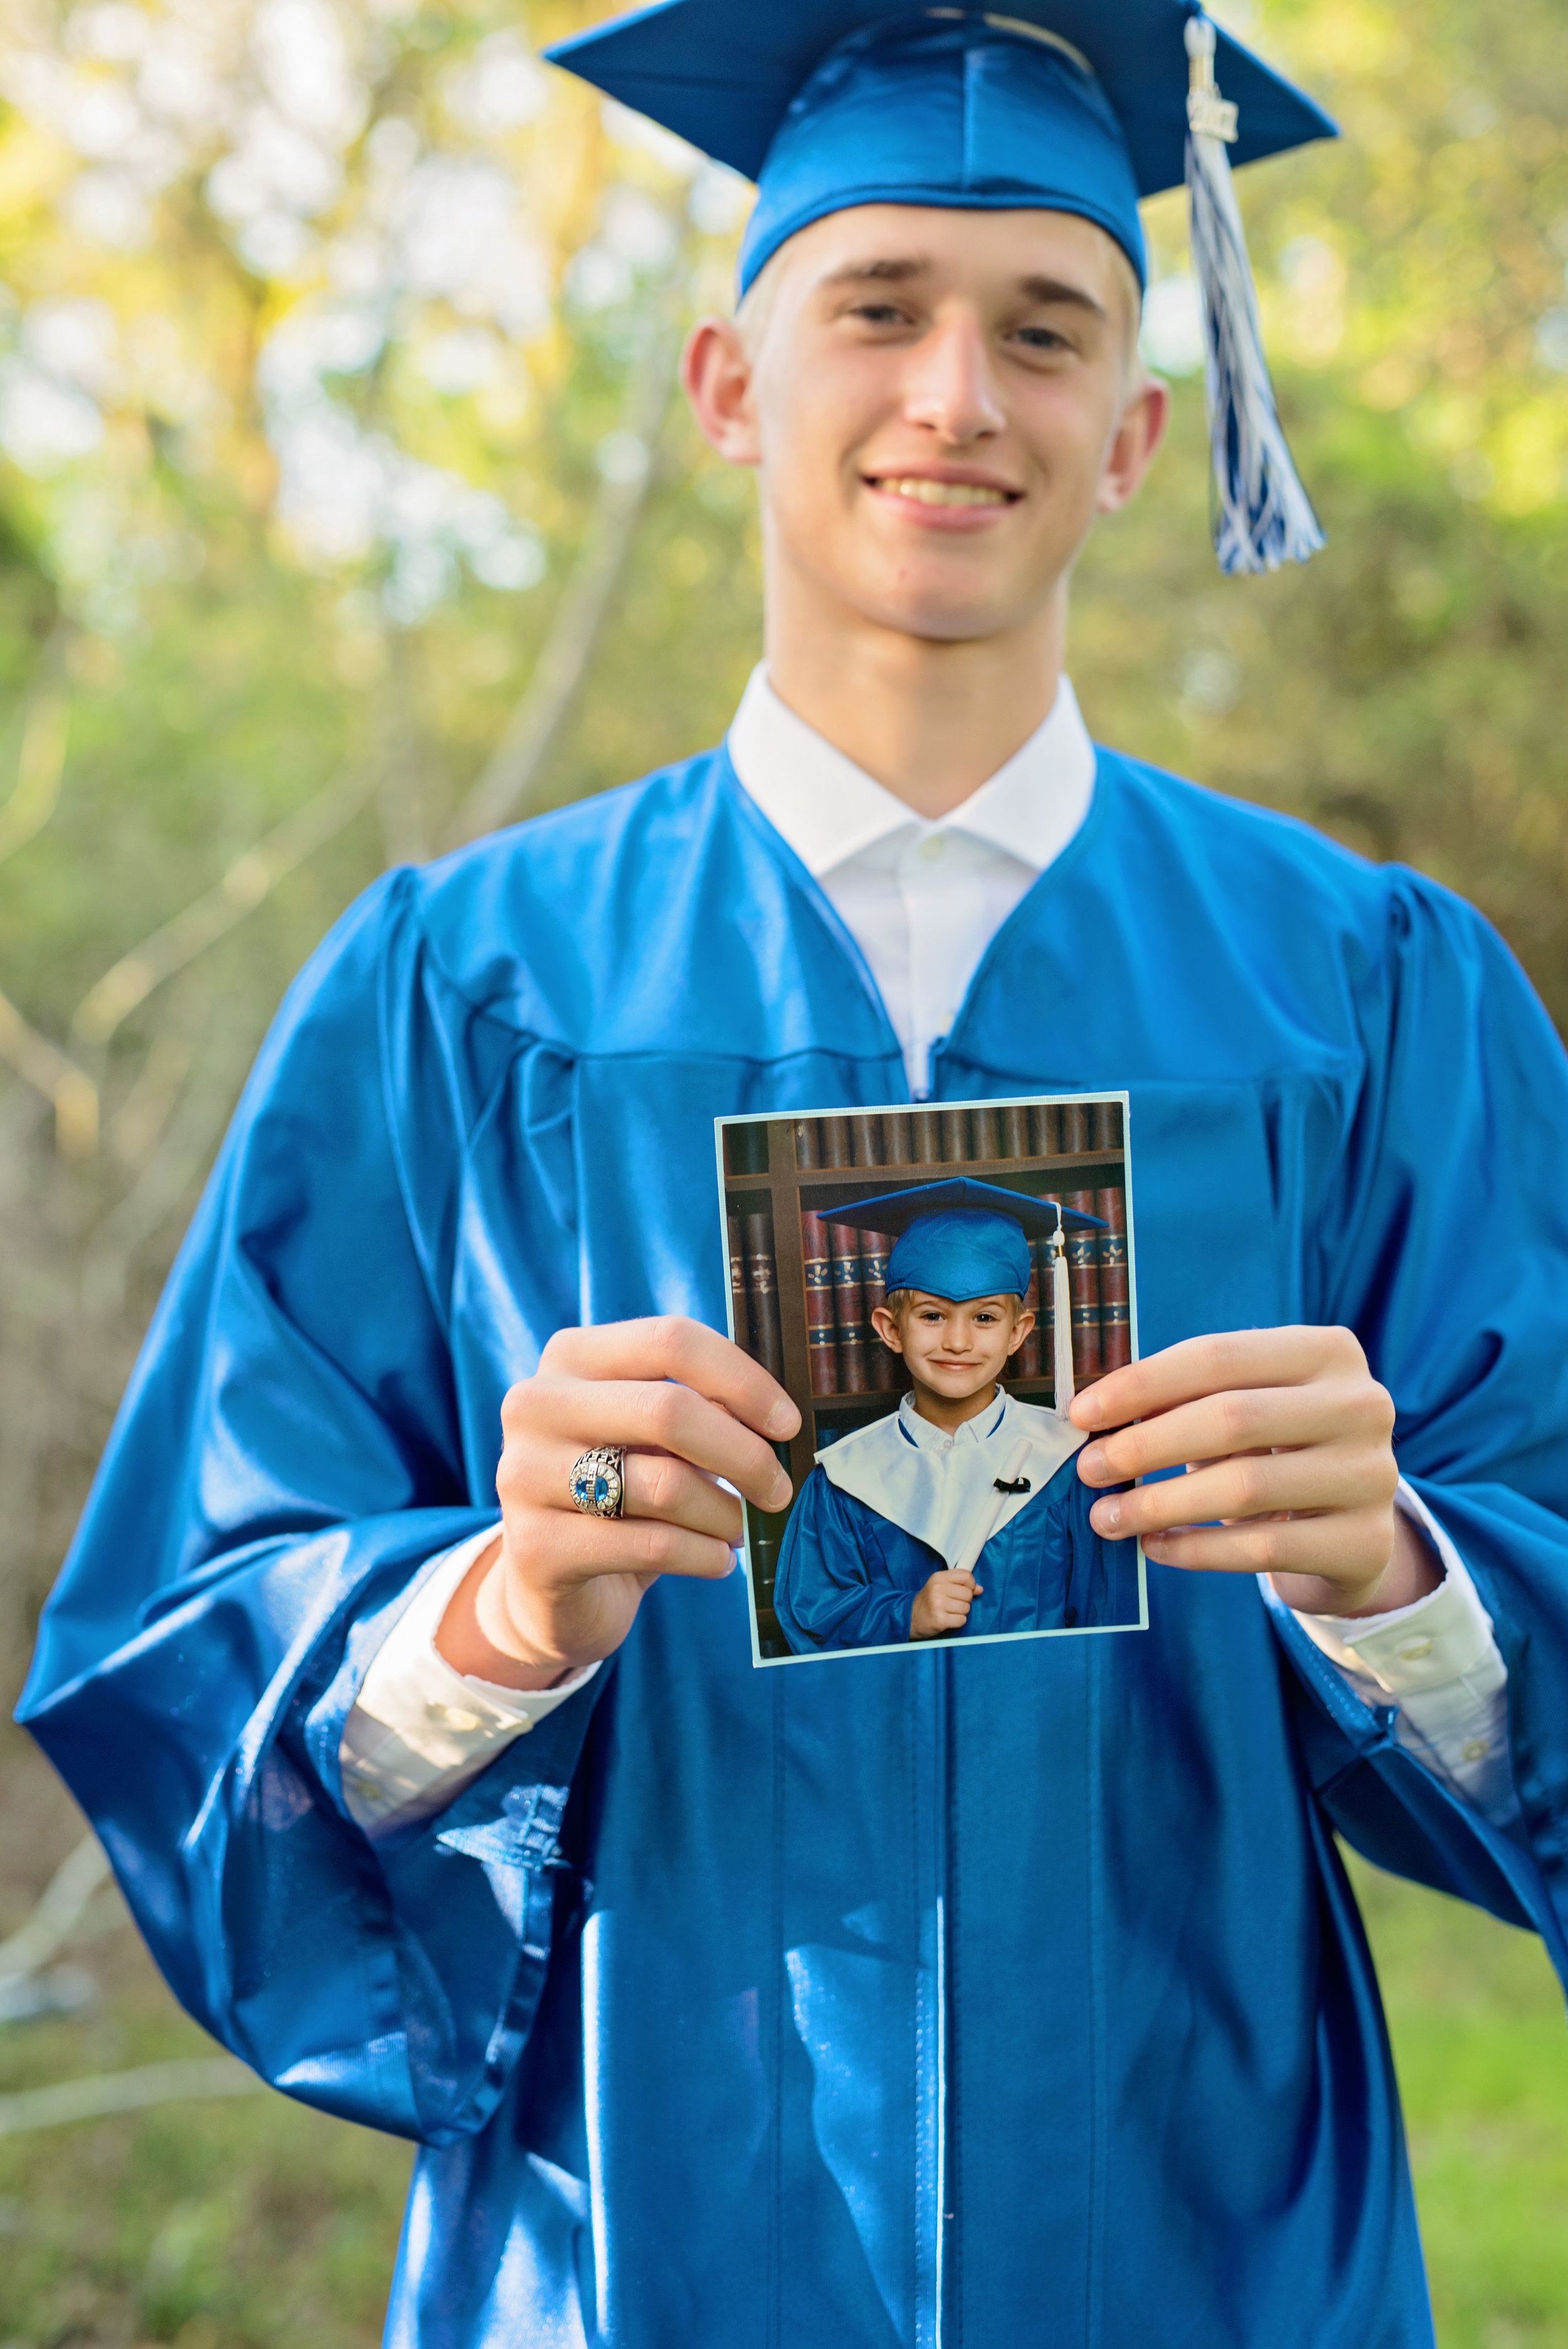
(947, 1412)
(930, 720)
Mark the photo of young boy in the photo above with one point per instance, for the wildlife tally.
(960, 1515)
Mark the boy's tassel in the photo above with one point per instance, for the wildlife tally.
(1061, 1323)
(1264, 517)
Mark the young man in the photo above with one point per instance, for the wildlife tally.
(995, 1994)
(960, 1513)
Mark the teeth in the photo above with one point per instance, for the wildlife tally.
(944, 494)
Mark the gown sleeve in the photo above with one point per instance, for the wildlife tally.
(836, 1585)
(1444, 1245)
(287, 1462)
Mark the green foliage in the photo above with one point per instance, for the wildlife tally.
(1400, 690)
(1395, 693)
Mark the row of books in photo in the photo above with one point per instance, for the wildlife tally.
(932, 1137)
(845, 1279)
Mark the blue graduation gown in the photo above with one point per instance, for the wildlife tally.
(847, 1576)
(1009, 1993)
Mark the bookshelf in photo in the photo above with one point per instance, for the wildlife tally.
(803, 1286)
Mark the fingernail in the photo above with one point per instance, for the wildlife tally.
(1087, 1410)
(1091, 1465)
(779, 1492)
(782, 1419)
(1106, 1516)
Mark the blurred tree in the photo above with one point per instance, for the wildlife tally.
(335, 373)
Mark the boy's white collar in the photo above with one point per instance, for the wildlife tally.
(942, 1490)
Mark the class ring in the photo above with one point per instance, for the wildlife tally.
(598, 1482)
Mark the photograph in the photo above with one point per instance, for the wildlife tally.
(932, 1286)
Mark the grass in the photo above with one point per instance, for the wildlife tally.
(253, 2224)
(249, 2223)
(1477, 2020)
(232, 2225)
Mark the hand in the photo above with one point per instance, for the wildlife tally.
(943, 1605)
(559, 1589)
(1286, 1439)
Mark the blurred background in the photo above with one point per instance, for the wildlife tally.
(346, 512)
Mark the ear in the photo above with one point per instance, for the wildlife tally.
(886, 1328)
(715, 371)
(1021, 1329)
(1137, 437)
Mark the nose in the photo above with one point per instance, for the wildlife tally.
(951, 389)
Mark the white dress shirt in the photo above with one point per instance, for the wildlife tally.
(922, 901)
(421, 1730)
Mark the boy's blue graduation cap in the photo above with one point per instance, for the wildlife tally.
(1077, 106)
(960, 1239)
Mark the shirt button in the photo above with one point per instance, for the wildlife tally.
(1475, 1749)
(932, 848)
(1416, 1652)
(453, 1716)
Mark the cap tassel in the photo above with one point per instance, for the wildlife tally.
(1264, 515)
(1061, 1323)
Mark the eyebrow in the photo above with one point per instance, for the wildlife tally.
(890, 270)
(884, 272)
(1058, 289)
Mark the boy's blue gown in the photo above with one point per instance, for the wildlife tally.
(859, 1548)
(1005, 1995)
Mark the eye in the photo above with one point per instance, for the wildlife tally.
(1043, 338)
(879, 314)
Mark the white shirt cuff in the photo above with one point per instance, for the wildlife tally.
(421, 1731)
(1438, 1662)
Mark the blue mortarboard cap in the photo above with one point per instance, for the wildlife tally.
(1072, 104)
(926, 110)
(960, 1239)
(1075, 105)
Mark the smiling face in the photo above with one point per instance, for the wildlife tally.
(938, 403)
(955, 1352)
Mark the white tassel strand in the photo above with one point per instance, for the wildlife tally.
(1264, 517)
(1061, 1324)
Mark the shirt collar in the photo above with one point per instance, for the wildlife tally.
(830, 810)
(931, 1438)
